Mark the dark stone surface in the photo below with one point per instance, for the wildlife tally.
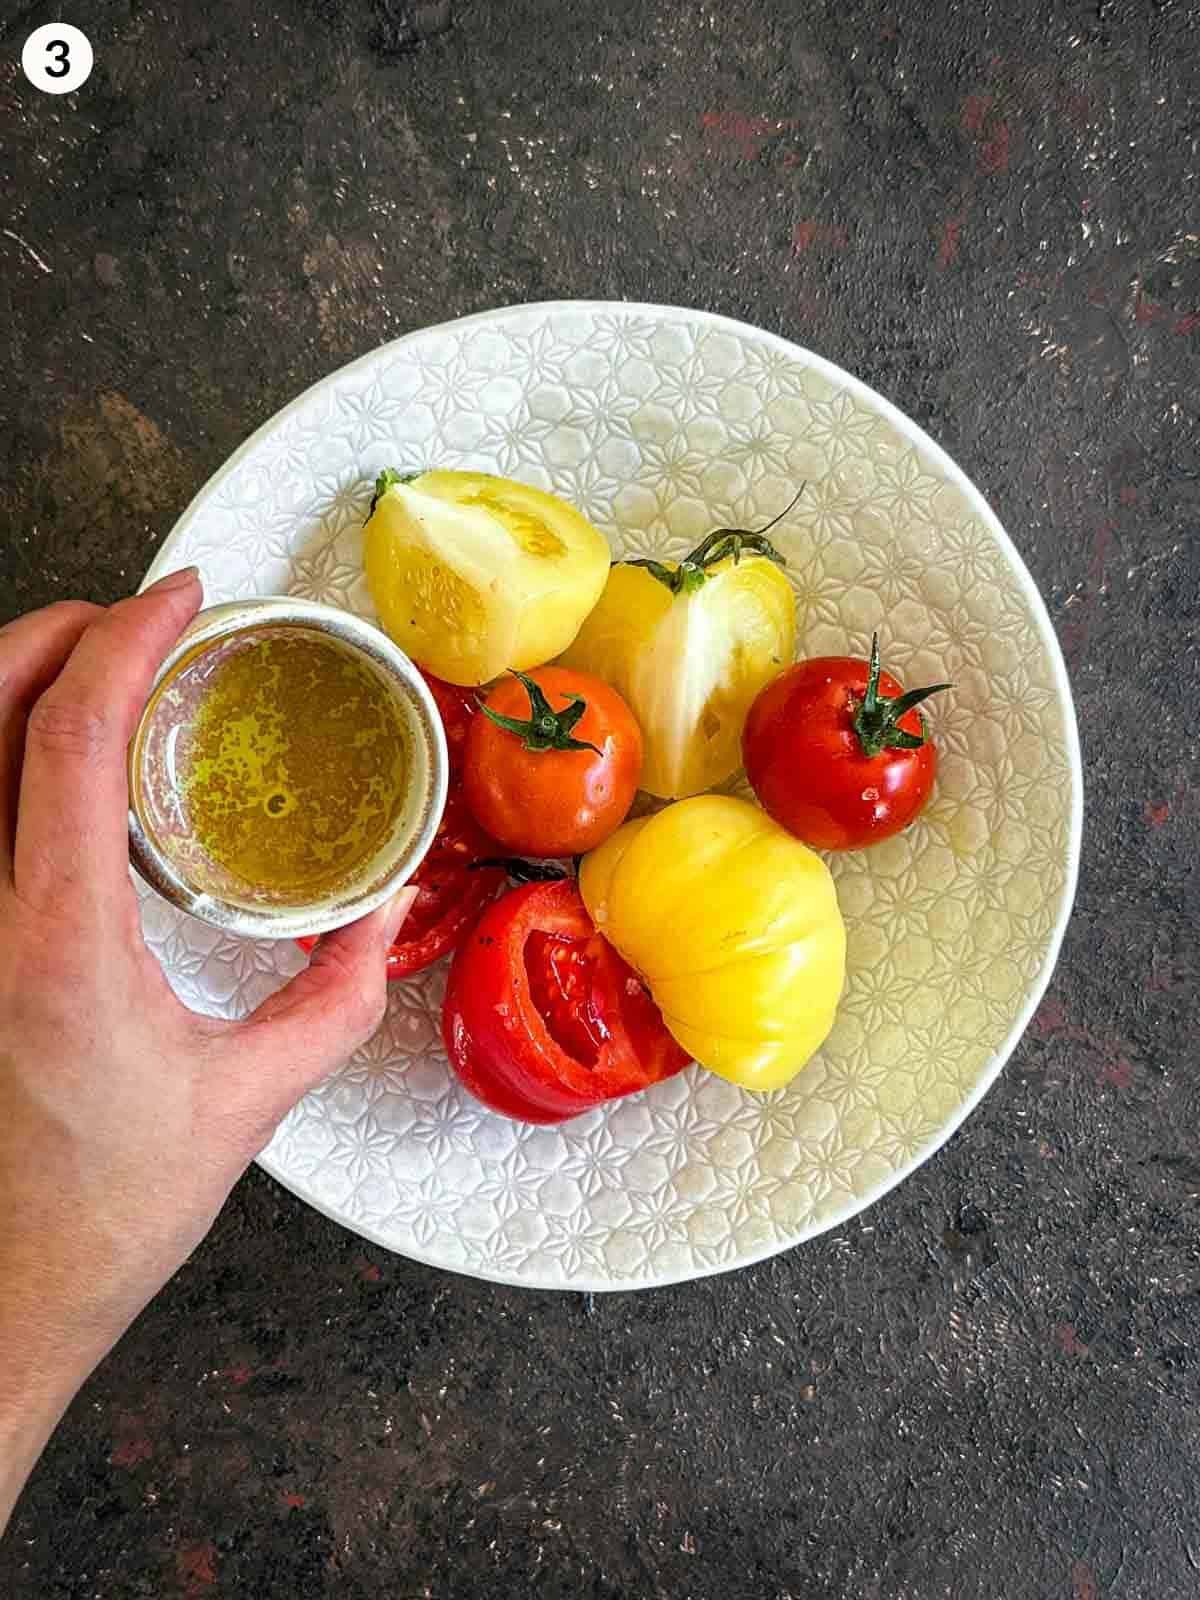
(988, 1384)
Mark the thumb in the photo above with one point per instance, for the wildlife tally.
(314, 1023)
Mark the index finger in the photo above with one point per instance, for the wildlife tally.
(72, 815)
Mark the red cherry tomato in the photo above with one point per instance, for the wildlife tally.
(552, 762)
(837, 753)
(451, 892)
(457, 708)
(543, 1018)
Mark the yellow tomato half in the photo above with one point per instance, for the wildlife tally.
(689, 665)
(735, 927)
(473, 575)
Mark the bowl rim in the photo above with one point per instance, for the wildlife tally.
(368, 642)
(919, 439)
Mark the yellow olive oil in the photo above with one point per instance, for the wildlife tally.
(294, 764)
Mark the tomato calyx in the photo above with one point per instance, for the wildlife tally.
(384, 482)
(877, 720)
(544, 728)
(718, 546)
(522, 871)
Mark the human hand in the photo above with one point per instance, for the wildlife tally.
(125, 1119)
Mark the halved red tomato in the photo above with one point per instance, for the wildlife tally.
(451, 892)
(543, 1019)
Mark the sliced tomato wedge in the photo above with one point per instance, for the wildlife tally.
(451, 892)
(543, 1019)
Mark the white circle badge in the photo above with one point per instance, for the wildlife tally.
(57, 58)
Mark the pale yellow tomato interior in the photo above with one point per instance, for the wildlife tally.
(473, 575)
(690, 665)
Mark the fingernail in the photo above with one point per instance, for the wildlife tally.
(175, 580)
(398, 908)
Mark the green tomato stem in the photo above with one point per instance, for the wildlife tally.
(694, 570)
(384, 482)
(544, 728)
(876, 722)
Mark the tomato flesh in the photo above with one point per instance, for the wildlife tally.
(564, 988)
(542, 1017)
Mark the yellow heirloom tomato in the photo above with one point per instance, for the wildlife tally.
(688, 645)
(689, 666)
(735, 927)
(473, 575)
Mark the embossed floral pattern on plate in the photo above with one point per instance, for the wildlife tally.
(660, 424)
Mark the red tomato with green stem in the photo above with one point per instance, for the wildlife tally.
(543, 1019)
(552, 762)
(452, 890)
(838, 753)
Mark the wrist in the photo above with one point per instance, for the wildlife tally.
(64, 1301)
(46, 1347)
(58, 1320)
(69, 1289)
(40, 1372)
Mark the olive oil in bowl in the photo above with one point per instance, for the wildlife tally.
(293, 768)
(283, 771)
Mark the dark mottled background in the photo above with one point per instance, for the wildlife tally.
(988, 1384)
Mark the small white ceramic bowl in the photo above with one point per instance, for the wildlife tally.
(164, 849)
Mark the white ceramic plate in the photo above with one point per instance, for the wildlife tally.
(661, 424)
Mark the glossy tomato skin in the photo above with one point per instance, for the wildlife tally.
(553, 802)
(457, 708)
(451, 892)
(542, 1018)
(806, 763)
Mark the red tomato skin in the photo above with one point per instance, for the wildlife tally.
(807, 767)
(553, 802)
(457, 708)
(497, 1040)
